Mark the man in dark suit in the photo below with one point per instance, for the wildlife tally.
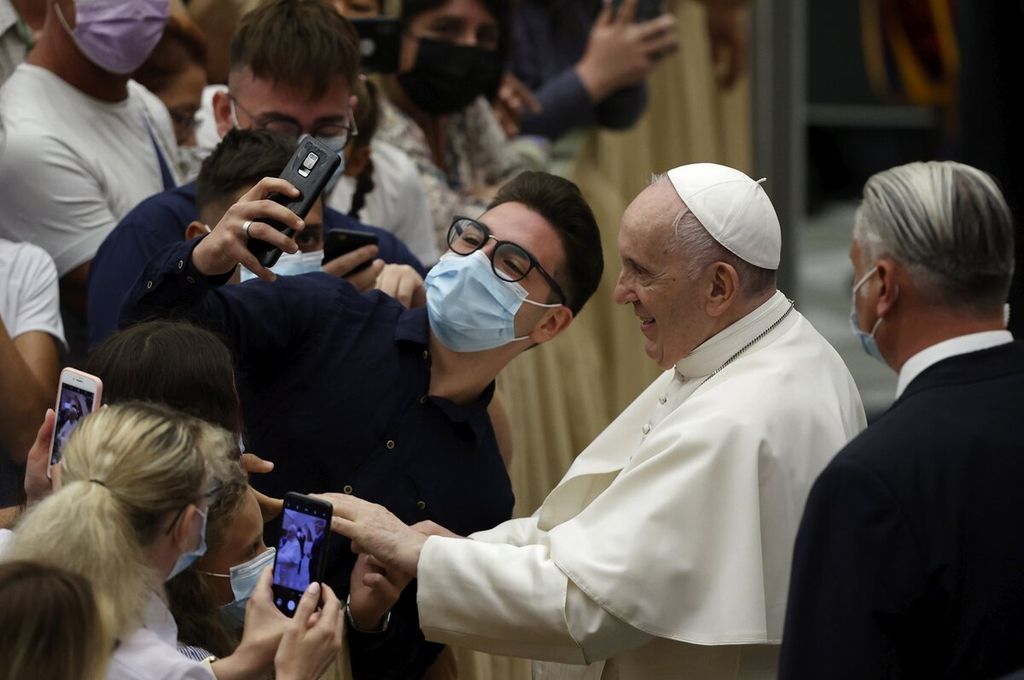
(909, 562)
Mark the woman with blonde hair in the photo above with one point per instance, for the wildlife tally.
(131, 514)
(52, 627)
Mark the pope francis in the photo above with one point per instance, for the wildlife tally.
(665, 550)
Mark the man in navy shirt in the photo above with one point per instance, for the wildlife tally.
(292, 69)
(354, 393)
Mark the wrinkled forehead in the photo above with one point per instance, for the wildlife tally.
(649, 218)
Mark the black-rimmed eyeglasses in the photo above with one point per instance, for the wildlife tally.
(335, 135)
(510, 261)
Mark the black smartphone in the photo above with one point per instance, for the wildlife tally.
(301, 549)
(309, 169)
(645, 9)
(379, 42)
(338, 242)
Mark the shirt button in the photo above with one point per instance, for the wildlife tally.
(347, 489)
(426, 354)
(662, 399)
(149, 284)
(646, 428)
(421, 505)
(423, 399)
(181, 264)
(190, 279)
(390, 444)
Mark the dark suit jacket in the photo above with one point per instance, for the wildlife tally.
(909, 562)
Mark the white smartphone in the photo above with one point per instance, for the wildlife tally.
(78, 396)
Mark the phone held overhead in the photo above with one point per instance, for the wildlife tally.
(309, 170)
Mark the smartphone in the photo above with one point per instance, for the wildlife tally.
(338, 242)
(301, 549)
(79, 395)
(379, 43)
(309, 169)
(645, 9)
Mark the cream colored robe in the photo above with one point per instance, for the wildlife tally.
(664, 550)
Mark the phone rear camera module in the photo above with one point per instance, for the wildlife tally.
(308, 164)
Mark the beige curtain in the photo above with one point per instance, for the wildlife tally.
(559, 396)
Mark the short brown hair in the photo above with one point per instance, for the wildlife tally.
(302, 44)
(560, 202)
(51, 624)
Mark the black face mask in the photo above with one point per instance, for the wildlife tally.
(448, 77)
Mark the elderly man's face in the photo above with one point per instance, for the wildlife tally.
(654, 279)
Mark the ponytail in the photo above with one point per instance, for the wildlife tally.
(364, 185)
(127, 469)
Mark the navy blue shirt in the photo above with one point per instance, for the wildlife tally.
(162, 219)
(334, 388)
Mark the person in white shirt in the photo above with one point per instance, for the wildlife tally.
(19, 21)
(664, 552)
(82, 144)
(130, 514)
(31, 337)
(381, 185)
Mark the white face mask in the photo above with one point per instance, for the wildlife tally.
(293, 265)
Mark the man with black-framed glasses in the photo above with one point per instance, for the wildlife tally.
(308, 93)
(353, 393)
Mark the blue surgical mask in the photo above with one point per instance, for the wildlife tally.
(470, 308)
(244, 578)
(290, 264)
(186, 559)
(867, 340)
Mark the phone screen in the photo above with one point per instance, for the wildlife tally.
(74, 404)
(300, 552)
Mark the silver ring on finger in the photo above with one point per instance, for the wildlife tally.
(245, 228)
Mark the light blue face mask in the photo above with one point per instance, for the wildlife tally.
(186, 559)
(470, 308)
(243, 577)
(292, 265)
(867, 340)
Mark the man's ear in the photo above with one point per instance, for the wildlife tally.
(222, 112)
(356, 160)
(722, 283)
(195, 229)
(890, 273)
(552, 324)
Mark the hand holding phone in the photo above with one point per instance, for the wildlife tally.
(78, 396)
(338, 242)
(310, 168)
(301, 549)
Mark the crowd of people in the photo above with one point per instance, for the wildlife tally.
(739, 519)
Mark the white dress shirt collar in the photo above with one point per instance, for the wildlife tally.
(963, 344)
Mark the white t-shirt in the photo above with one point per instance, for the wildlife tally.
(72, 166)
(397, 203)
(29, 298)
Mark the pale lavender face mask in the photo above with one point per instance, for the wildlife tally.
(117, 35)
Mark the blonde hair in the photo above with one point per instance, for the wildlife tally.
(51, 625)
(127, 468)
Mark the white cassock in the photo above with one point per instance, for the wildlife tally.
(665, 550)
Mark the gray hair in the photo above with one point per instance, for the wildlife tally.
(691, 237)
(948, 224)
